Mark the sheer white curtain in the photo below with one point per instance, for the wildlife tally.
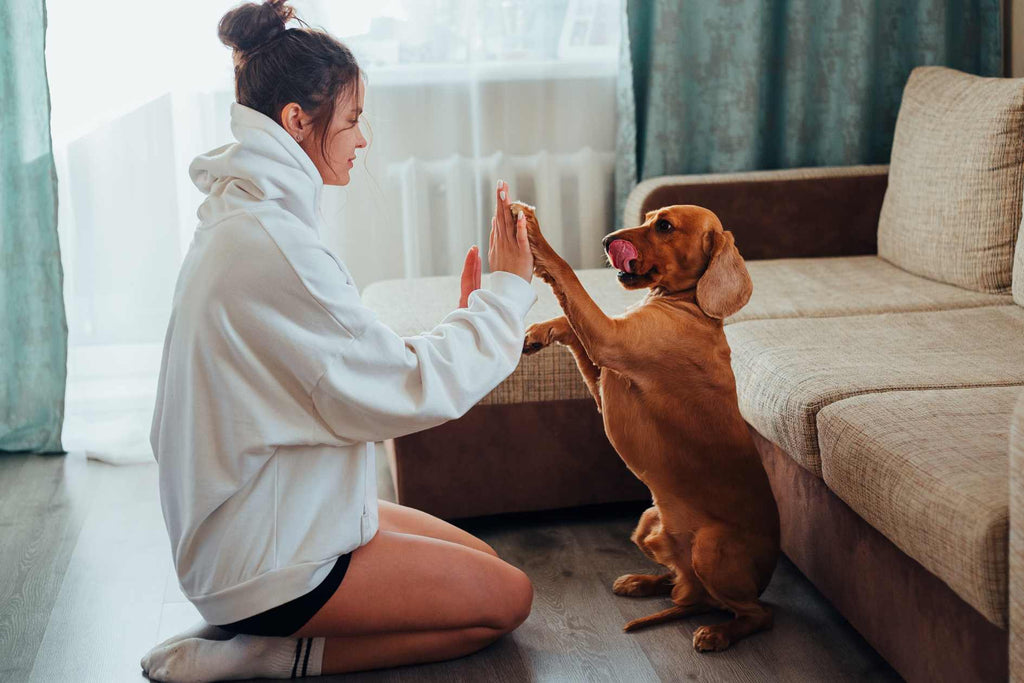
(460, 92)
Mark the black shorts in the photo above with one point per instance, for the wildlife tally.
(286, 619)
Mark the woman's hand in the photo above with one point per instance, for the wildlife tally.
(470, 275)
(509, 249)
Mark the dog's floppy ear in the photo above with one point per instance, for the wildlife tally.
(725, 286)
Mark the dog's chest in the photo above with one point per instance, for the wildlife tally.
(626, 417)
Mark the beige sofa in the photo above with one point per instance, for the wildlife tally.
(879, 373)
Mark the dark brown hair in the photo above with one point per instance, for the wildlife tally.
(276, 65)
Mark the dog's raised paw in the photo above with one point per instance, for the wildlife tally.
(530, 347)
(709, 639)
(536, 338)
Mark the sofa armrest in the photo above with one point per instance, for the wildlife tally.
(1016, 582)
(799, 212)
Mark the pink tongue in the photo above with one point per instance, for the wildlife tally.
(622, 254)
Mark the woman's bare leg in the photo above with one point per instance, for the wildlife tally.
(400, 583)
(420, 591)
(406, 520)
(360, 653)
(364, 653)
(410, 599)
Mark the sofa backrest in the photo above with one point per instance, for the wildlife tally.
(952, 208)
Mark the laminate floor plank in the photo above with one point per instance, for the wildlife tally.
(107, 613)
(104, 592)
(573, 632)
(44, 500)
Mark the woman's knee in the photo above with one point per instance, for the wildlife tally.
(516, 602)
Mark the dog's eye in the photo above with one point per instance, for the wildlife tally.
(663, 226)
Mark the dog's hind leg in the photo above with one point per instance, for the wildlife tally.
(643, 585)
(652, 540)
(650, 523)
(687, 592)
(724, 565)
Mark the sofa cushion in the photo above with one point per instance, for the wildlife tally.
(782, 288)
(928, 469)
(848, 285)
(788, 370)
(956, 179)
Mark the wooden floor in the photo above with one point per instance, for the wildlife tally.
(86, 587)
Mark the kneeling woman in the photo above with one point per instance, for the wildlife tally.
(276, 381)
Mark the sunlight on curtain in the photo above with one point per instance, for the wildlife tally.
(33, 334)
(460, 92)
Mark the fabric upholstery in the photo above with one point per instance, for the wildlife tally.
(956, 179)
(1017, 542)
(854, 285)
(788, 370)
(928, 470)
(782, 289)
(911, 617)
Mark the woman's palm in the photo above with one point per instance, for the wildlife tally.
(470, 275)
(509, 248)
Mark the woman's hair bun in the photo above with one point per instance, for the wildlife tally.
(248, 26)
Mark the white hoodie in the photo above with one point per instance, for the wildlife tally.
(276, 380)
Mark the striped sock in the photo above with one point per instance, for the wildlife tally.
(244, 656)
(309, 657)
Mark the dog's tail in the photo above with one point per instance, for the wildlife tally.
(674, 612)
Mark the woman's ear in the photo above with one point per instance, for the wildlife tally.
(295, 121)
(725, 286)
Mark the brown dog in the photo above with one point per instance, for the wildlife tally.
(661, 377)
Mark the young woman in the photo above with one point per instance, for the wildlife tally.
(276, 381)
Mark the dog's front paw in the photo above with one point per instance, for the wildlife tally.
(543, 255)
(538, 335)
(710, 639)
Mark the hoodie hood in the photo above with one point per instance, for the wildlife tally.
(265, 164)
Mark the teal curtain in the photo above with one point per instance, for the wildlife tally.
(710, 86)
(33, 329)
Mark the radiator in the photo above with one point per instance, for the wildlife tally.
(446, 205)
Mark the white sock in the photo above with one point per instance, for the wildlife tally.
(194, 659)
(198, 630)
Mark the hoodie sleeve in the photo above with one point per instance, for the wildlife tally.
(381, 386)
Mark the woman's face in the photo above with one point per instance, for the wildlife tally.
(343, 139)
